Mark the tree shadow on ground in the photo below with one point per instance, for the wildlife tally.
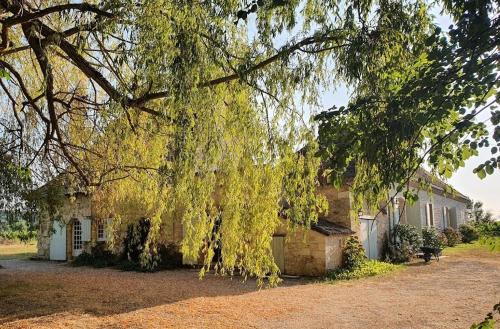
(45, 288)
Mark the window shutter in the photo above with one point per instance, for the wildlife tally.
(427, 215)
(445, 221)
(86, 229)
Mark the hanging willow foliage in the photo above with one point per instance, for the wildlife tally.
(219, 174)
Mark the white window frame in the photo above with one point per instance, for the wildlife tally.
(77, 234)
(101, 230)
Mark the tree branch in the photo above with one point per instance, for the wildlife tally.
(30, 16)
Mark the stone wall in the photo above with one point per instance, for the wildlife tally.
(339, 205)
(43, 238)
(74, 207)
(304, 253)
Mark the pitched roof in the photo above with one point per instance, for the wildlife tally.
(439, 186)
(327, 228)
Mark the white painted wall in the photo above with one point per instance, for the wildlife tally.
(438, 202)
(416, 214)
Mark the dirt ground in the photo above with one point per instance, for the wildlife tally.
(452, 293)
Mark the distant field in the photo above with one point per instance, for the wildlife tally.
(17, 250)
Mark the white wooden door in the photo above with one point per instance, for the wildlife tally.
(368, 236)
(77, 237)
(57, 247)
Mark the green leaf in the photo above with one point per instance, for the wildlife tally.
(4, 74)
(481, 174)
(489, 169)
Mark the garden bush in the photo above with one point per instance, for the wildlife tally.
(366, 269)
(353, 255)
(84, 259)
(453, 237)
(170, 257)
(135, 240)
(99, 256)
(355, 265)
(489, 234)
(407, 243)
(469, 233)
(166, 256)
(432, 238)
(488, 229)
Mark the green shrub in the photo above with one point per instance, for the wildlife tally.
(488, 229)
(84, 259)
(453, 237)
(135, 240)
(170, 257)
(407, 243)
(469, 233)
(353, 255)
(99, 256)
(367, 269)
(165, 256)
(432, 238)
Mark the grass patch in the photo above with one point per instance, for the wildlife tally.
(367, 269)
(490, 244)
(17, 250)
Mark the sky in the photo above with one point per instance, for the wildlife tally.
(486, 190)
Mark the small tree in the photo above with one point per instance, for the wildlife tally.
(478, 214)
(353, 255)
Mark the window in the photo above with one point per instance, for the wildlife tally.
(101, 234)
(77, 235)
(429, 215)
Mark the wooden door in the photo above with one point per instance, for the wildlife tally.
(368, 237)
(57, 246)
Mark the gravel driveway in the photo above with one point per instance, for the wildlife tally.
(452, 293)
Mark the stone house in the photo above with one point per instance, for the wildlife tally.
(297, 252)
(301, 251)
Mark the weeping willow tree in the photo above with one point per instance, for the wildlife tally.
(219, 174)
(195, 110)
